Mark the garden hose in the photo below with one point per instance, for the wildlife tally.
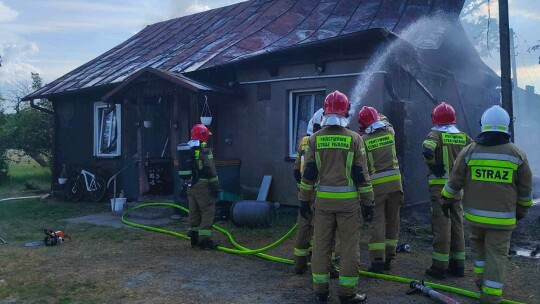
(259, 252)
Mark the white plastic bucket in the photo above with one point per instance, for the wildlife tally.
(147, 124)
(117, 205)
(206, 120)
(62, 181)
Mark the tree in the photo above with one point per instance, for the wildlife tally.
(30, 130)
(483, 29)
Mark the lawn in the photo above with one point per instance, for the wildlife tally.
(26, 177)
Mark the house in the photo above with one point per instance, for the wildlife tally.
(263, 67)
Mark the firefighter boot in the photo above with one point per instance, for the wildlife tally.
(322, 298)
(388, 262)
(377, 266)
(356, 299)
(208, 244)
(194, 237)
(300, 264)
(456, 268)
(436, 272)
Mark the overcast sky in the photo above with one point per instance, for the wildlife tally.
(53, 37)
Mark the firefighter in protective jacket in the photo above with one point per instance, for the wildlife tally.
(203, 190)
(378, 135)
(441, 148)
(336, 162)
(302, 244)
(497, 183)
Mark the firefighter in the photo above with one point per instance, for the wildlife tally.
(440, 149)
(378, 135)
(302, 244)
(202, 191)
(497, 182)
(336, 162)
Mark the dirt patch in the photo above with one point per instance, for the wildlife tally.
(107, 265)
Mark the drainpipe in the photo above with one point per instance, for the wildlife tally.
(35, 106)
(307, 77)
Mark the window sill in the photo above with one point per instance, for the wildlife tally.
(106, 156)
(289, 159)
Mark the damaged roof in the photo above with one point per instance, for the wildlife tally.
(240, 31)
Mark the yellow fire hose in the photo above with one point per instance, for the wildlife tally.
(259, 252)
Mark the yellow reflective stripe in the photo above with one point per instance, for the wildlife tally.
(428, 143)
(446, 194)
(339, 195)
(365, 189)
(438, 181)
(213, 179)
(498, 127)
(185, 172)
(205, 232)
(440, 256)
(348, 167)
(363, 151)
(197, 154)
(306, 186)
(210, 156)
(446, 161)
(318, 160)
(371, 162)
(301, 252)
(492, 291)
(376, 246)
(333, 142)
(478, 270)
(385, 179)
(348, 281)
(457, 255)
(392, 243)
(493, 163)
(525, 204)
(490, 220)
(320, 278)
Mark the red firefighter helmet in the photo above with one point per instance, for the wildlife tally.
(200, 132)
(336, 103)
(443, 114)
(366, 117)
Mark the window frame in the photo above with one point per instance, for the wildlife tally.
(292, 118)
(99, 106)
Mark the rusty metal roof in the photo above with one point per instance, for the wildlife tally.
(244, 30)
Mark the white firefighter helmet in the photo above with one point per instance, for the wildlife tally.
(310, 127)
(495, 119)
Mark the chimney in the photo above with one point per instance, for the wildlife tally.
(529, 89)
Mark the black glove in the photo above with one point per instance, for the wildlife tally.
(428, 154)
(445, 206)
(305, 209)
(438, 170)
(297, 176)
(368, 212)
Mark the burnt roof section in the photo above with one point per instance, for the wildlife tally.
(244, 30)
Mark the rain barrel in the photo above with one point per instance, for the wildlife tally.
(254, 214)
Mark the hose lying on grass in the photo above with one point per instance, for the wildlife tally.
(259, 252)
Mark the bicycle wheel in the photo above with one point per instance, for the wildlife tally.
(74, 190)
(98, 189)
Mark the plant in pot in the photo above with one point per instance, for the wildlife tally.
(206, 115)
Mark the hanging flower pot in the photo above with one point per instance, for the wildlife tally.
(147, 124)
(206, 115)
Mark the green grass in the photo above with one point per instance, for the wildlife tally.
(25, 176)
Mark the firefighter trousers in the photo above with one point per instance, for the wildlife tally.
(347, 225)
(448, 239)
(384, 230)
(201, 210)
(490, 253)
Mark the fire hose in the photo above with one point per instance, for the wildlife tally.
(259, 252)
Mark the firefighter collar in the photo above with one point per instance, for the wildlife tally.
(334, 120)
(446, 128)
(375, 126)
(194, 143)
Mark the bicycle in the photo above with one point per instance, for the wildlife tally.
(85, 181)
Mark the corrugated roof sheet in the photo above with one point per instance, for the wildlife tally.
(241, 31)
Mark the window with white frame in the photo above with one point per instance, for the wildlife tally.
(107, 131)
(302, 105)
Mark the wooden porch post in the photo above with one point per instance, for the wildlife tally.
(143, 181)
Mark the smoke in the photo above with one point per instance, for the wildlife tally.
(425, 33)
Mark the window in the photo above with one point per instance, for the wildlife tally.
(107, 133)
(302, 105)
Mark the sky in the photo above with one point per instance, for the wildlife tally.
(53, 37)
